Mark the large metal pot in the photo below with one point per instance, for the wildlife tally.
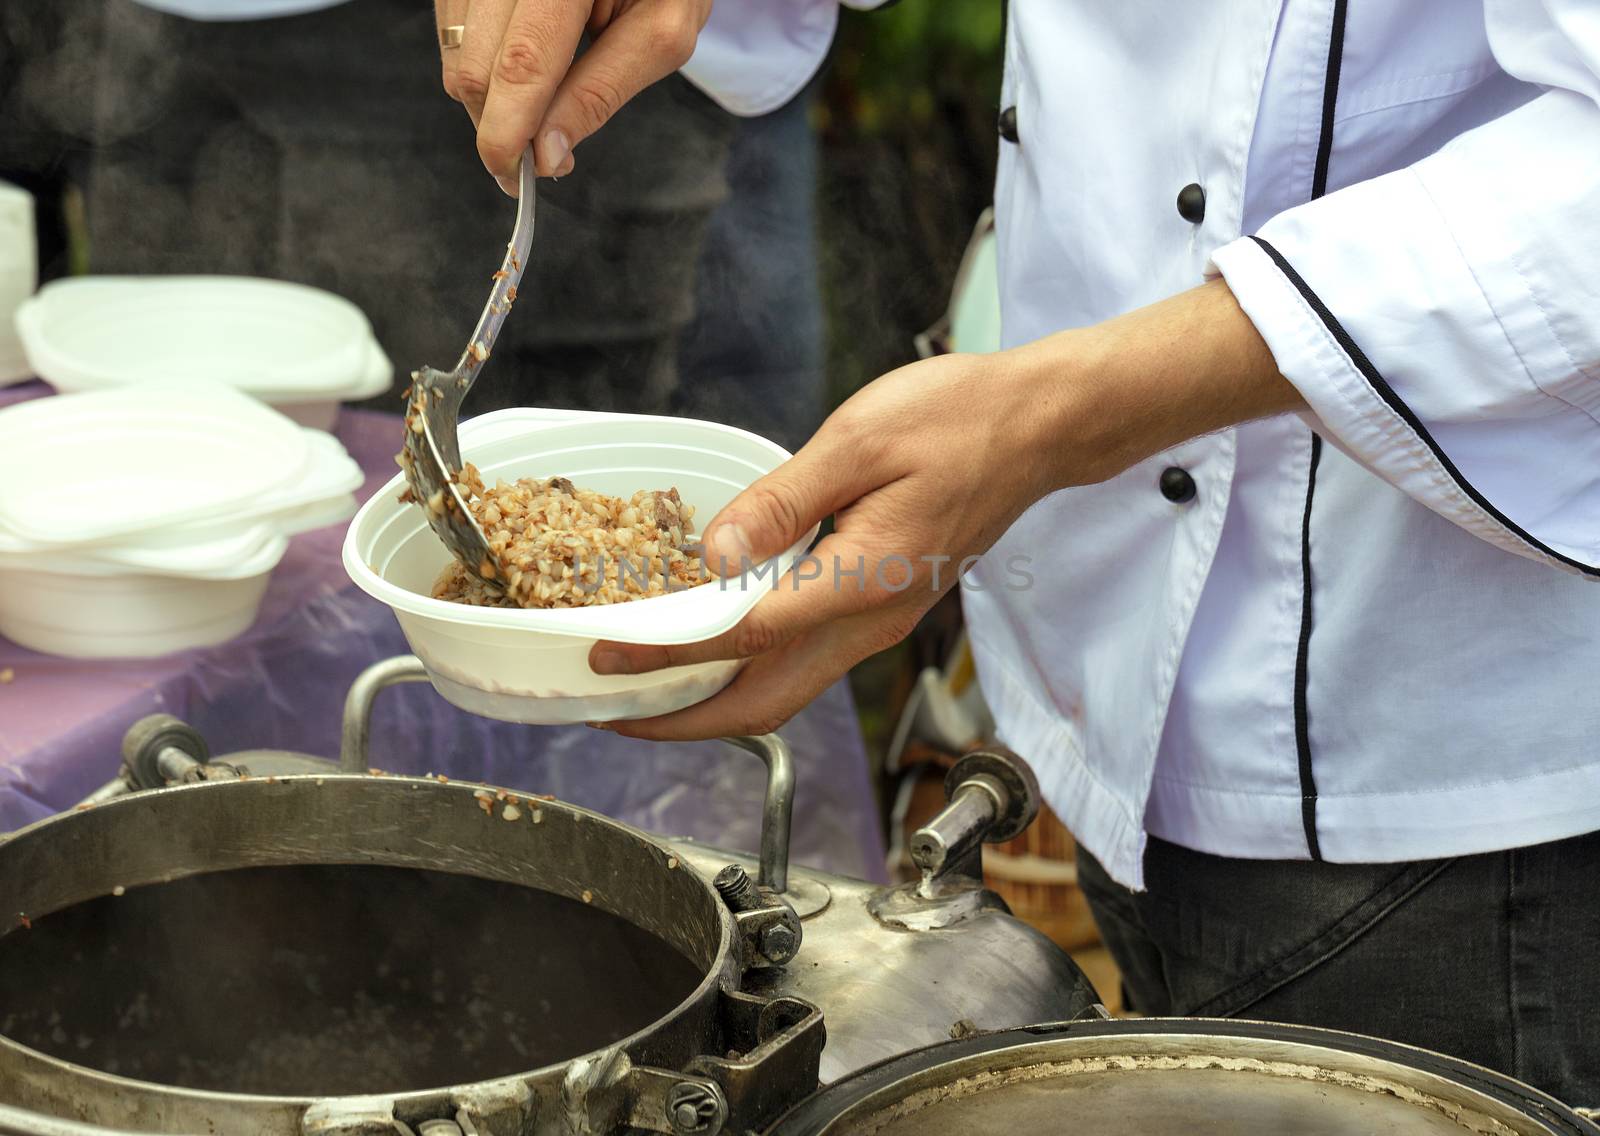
(1178, 1077)
(333, 954)
(270, 946)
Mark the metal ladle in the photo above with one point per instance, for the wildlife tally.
(431, 456)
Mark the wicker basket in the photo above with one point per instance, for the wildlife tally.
(1037, 875)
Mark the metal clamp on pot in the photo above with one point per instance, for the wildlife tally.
(775, 1046)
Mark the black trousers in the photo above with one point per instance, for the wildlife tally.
(1493, 958)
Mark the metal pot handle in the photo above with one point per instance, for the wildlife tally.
(355, 733)
(777, 807)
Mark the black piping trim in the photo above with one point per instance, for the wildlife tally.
(1302, 715)
(1302, 719)
(1330, 96)
(1381, 387)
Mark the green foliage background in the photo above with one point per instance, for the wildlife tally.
(907, 120)
(904, 61)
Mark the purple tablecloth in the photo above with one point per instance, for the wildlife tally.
(281, 685)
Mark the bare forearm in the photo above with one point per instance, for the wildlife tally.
(932, 463)
(1114, 394)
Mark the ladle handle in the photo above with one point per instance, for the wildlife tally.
(777, 807)
(504, 290)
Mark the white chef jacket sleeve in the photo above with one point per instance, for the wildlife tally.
(1443, 321)
(753, 56)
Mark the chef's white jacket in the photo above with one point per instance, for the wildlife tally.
(1366, 633)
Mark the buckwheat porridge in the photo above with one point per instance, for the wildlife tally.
(560, 546)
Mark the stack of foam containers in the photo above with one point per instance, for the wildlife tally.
(148, 519)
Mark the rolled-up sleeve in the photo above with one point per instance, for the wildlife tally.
(753, 56)
(1443, 321)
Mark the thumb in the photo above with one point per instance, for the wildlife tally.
(780, 508)
(645, 43)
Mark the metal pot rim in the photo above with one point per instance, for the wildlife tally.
(814, 1116)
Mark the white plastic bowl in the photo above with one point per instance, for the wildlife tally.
(523, 665)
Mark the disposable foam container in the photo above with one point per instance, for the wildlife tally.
(117, 603)
(83, 610)
(125, 616)
(294, 347)
(531, 665)
(107, 486)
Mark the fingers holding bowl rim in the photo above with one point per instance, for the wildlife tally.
(798, 604)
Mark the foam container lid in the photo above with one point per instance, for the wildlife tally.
(270, 338)
(89, 468)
